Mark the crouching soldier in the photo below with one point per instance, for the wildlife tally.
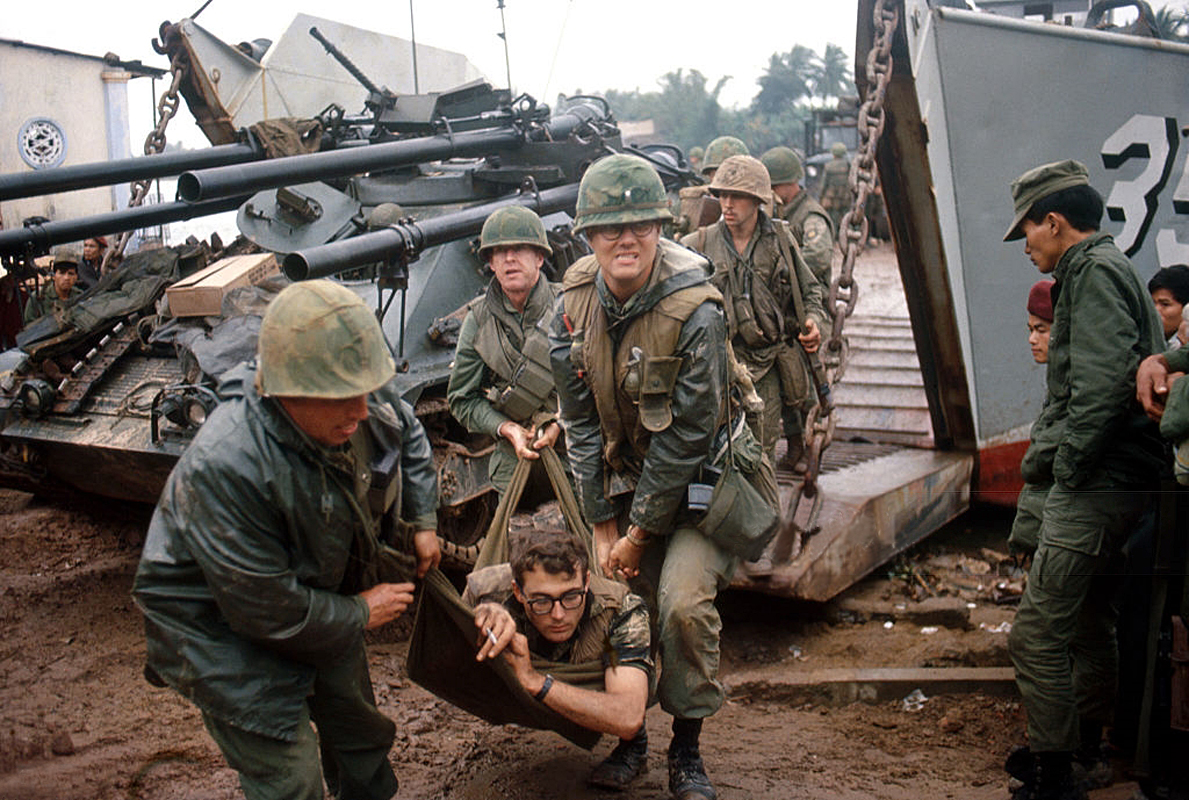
(501, 383)
(547, 604)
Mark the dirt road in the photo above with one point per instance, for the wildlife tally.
(77, 719)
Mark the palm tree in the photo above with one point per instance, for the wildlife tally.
(1172, 24)
(789, 78)
(831, 74)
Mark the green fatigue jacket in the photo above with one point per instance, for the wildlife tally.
(491, 345)
(761, 277)
(242, 578)
(46, 302)
(613, 629)
(836, 197)
(1174, 425)
(811, 227)
(1104, 324)
(641, 385)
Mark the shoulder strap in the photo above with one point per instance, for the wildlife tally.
(783, 234)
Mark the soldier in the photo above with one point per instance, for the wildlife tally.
(835, 197)
(258, 576)
(719, 150)
(639, 355)
(61, 290)
(547, 604)
(1099, 456)
(88, 268)
(771, 296)
(814, 233)
(501, 383)
(696, 154)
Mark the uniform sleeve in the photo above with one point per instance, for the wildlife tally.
(580, 422)
(629, 637)
(464, 392)
(1174, 425)
(419, 491)
(234, 527)
(817, 246)
(811, 290)
(1178, 360)
(676, 453)
(1104, 352)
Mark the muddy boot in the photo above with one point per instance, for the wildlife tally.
(627, 762)
(791, 460)
(1091, 768)
(687, 776)
(1043, 776)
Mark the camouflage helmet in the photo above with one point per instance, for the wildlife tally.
(513, 225)
(319, 339)
(838, 150)
(720, 150)
(783, 165)
(620, 188)
(743, 175)
(697, 152)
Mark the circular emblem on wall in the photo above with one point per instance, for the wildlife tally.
(42, 143)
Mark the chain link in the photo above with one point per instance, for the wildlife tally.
(853, 234)
(154, 144)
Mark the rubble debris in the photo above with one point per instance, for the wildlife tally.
(914, 701)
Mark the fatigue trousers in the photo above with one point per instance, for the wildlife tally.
(770, 427)
(680, 575)
(353, 736)
(1025, 528)
(1062, 642)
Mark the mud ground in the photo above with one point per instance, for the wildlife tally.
(77, 719)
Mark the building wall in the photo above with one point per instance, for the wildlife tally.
(70, 90)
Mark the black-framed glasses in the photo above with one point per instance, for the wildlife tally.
(612, 232)
(543, 604)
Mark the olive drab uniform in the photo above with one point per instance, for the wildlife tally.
(814, 233)
(501, 370)
(1098, 454)
(758, 287)
(641, 390)
(836, 197)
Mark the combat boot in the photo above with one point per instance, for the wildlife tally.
(791, 459)
(1043, 776)
(626, 762)
(687, 775)
(1091, 767)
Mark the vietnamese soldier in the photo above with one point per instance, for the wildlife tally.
(771, 296)
(501, 383)
(639, 355)
(260, 572)
(547, 603)
(836, 197)
(61, 291)
(1098, 454)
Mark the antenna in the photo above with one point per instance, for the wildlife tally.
(413, 37)
(503, 34)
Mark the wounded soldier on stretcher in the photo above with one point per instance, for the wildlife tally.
(547, 604)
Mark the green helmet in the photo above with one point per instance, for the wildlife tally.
(783, 165)
(513, 225)
(721, 149)
(319, 339)
(697, 152)
(620, 188)
(743, 175)
(838, 150)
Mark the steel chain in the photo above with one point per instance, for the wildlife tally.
(167, 106)
(854, 230)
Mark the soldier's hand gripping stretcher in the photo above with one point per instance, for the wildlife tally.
(529, 441)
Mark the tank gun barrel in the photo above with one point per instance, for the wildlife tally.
(105, 173)
(40, 238)
(407, 238)
(248, 178)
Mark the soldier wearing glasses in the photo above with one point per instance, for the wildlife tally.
(639, 351)
(545, 603)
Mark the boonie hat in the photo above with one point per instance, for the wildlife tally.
(1040, 182)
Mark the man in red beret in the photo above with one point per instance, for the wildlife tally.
(1040, 319)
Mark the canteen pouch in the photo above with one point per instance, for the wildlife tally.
(738, 519)
(658, 376)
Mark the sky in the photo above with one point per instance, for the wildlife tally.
(554, 45)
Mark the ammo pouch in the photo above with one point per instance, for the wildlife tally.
(737, 518)
(757, 314)
(532, 382)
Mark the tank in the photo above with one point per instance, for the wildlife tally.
(104, 396)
